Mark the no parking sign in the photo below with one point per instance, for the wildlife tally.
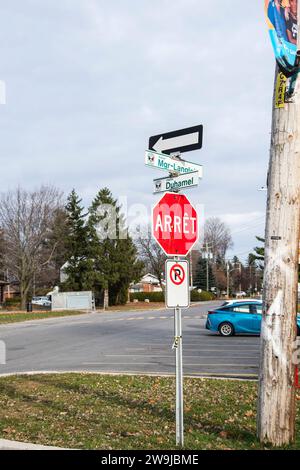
(177, 284)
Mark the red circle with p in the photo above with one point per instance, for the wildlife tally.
(177, 274)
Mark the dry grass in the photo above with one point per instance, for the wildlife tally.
(127, 412)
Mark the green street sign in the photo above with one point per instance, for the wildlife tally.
(176, 183)
(172, 165)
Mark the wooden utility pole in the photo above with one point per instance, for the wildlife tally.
(276, 403)
(228, 278)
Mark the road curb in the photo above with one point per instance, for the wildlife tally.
(238, 377)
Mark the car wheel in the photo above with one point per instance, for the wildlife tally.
(298, 331)
(226, 329)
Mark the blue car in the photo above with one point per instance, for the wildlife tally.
(239, 317)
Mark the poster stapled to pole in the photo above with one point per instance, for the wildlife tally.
(281, 16)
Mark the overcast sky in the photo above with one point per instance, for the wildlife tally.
(88, 81)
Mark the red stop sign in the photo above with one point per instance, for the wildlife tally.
(175, 224)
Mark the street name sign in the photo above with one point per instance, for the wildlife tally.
(183, 140)
(176, 183)
(177, 284)
(172, 165)
(175, 224)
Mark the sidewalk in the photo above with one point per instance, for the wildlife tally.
(14, 445)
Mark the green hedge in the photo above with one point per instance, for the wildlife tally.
(201, 296)
(152, 296)
(12, 302)
(159, 296)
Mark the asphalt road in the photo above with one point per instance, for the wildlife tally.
(133, 342)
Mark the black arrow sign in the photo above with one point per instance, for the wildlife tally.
(184, 140)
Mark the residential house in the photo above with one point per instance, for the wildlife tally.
(148, 283)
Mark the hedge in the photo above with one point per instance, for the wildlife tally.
(152, 296)
(12, 302)
(201, 296)
(159, 296)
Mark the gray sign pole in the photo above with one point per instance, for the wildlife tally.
(179, 375)
(179, 379)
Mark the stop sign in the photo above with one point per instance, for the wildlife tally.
(175, 224)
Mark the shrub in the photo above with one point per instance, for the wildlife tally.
(152, 296)
(12, 302)
(160, 297)
(201, 296)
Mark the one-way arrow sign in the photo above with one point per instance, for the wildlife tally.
(184, 140)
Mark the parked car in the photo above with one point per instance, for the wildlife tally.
(240, 295)
(238, 317)
(44, 301)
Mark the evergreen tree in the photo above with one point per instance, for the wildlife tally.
(79, 267)
(58, 238)
(201, 275)
(114, 255)
(259, 253)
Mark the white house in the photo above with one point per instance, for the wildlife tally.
(148, 283)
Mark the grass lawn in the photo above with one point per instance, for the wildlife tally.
(22, 316)
(122, 412)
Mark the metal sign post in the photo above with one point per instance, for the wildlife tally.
(179, 378)
(177, 297)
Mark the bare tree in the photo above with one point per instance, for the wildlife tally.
(49, 274)
(1, 253)
(218, 237)
(25, 220)
(151, 254)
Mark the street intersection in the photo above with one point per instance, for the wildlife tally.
(127, 342)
